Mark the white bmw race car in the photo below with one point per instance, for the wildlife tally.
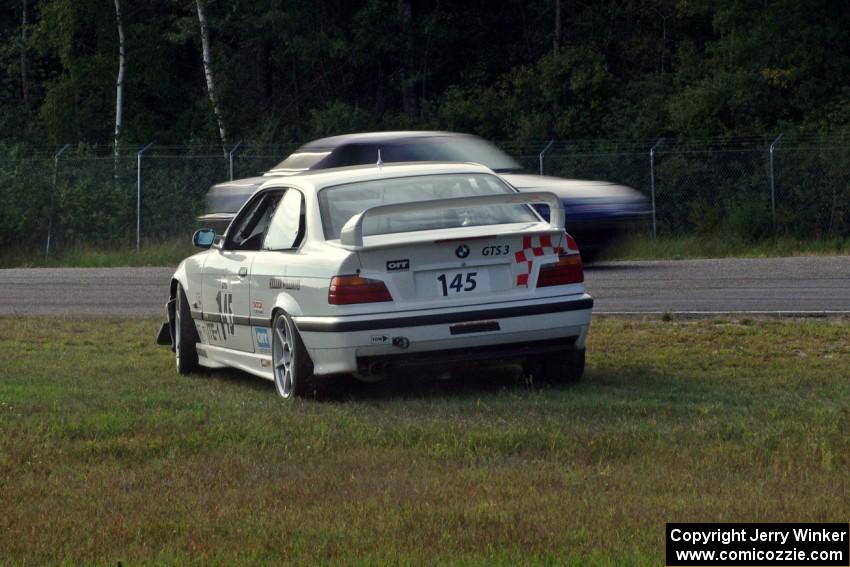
(367, 270)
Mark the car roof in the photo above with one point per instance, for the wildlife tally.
(318, 179)
(373, 138)
(324, 147)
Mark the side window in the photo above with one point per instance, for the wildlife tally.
(404, 152)
(287, 225)
(250, 228)
(356, 154)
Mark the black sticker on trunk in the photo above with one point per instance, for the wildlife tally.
(398, 265)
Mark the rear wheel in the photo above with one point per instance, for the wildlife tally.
(293, 368)
(559, 368)
(185, 335)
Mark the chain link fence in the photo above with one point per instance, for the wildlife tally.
(719, 187)
(813, 190)
(81, 198)
(76, 199)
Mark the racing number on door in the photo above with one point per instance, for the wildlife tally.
(224, 299)
(458, 283)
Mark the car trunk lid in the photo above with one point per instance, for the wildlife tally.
(464, 266)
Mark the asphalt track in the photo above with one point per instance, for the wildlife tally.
(799, 286)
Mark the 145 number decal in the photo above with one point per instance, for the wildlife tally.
(459, 283)
(224, 299)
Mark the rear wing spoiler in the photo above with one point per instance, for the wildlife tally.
(351, 234)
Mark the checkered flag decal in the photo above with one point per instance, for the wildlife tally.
(525, 257)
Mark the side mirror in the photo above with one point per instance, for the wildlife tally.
(203, 238)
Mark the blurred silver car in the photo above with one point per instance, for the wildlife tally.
(597, 212)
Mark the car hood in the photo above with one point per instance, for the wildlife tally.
(574, 189)
(229, 196)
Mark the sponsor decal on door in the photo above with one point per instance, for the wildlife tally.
(264, 343)
(257, 307)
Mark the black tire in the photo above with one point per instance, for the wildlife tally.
(560, 368)
(185, 335)
(590, 256)
(291, 365)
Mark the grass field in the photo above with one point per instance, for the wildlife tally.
(156, 254)
(107, 455)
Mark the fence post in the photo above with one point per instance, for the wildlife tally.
(543, 153)
(139, 196)
(230, 157)
(772, 185)
(53, 197)
(652, 184)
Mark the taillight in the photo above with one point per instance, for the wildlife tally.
(346, 290)
(567, 270)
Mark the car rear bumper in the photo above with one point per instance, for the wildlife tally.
(342, 344)
(383, 364)
(595, 236)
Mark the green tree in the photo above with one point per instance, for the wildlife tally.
(770, 65)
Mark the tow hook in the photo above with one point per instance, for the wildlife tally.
(401, 342)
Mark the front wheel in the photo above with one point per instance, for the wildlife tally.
(293, 368)
(185, 335)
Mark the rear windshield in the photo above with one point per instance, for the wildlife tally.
(436, 148)
(301, 161)
(451, 148)
(338, 204)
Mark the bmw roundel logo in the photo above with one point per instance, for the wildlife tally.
(462, 251)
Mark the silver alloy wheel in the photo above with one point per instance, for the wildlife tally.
(283, 345)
